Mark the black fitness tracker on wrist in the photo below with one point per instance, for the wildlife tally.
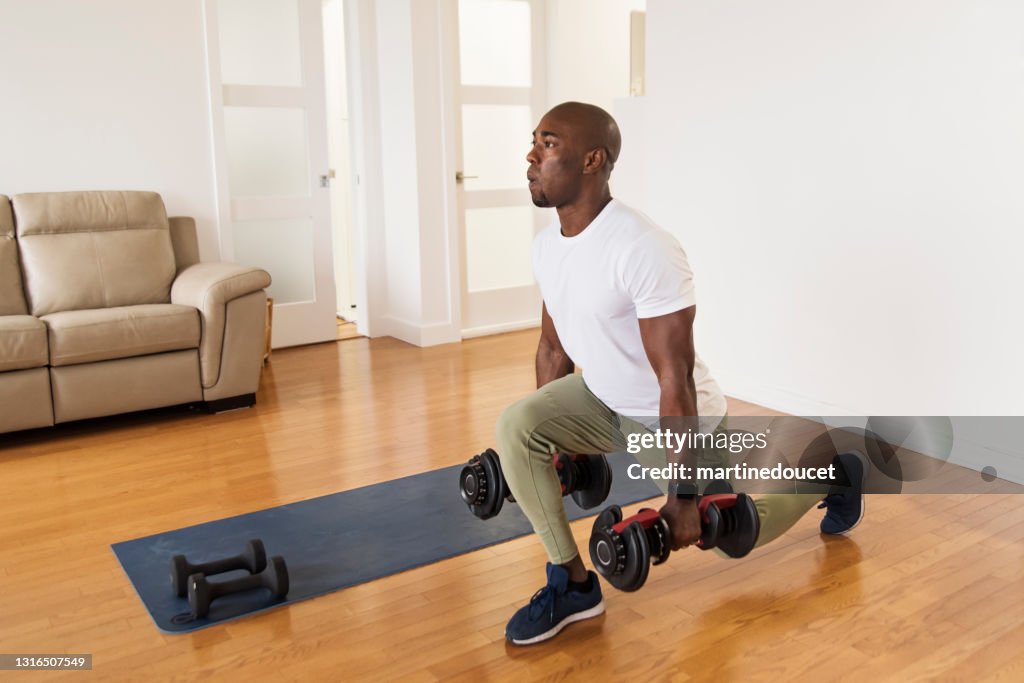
(683, 490)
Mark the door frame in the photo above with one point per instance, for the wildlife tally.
(433, 37)
(366, 175)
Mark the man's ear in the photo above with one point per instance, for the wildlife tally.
(594, 160)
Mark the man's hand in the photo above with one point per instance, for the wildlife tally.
(683, 522)
(552, 360)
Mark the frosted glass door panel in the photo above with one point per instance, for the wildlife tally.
(259, 42)
(494, 42)
(267, 153)
(498, 247)
(494, 144)
(285, 249)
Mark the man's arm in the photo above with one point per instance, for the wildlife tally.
(668, 342)
(552, 360)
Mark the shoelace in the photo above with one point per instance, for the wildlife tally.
(545, 597)
(825, 502)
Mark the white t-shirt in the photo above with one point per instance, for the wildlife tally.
(597, 285)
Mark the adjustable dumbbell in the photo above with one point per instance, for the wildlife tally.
(587, 478)
(253, 559)
(623, 550)
(202, 592)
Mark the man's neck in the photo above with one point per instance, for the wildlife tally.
(575, 217)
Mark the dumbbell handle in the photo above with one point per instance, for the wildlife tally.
(243, 583)
(648, 517)
(253, 560)
(645, 517)
(221, 566)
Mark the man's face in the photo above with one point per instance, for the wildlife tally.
(556, 170)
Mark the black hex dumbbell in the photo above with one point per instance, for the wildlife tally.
(202, 592)
(623, 550)
(253, 559)
(587, 478)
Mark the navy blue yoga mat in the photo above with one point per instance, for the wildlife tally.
(339, 540)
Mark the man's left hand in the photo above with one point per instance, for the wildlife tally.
(683, 522)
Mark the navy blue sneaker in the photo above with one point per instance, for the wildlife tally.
(845, 506)
(554, 607)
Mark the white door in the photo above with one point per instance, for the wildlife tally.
(500, 98)
(270, 139)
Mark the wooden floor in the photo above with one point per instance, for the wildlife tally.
(927, 588)
(347, 330)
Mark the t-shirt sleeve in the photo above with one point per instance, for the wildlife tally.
(657, 275)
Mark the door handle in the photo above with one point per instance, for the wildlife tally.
(325, 180)
(459, 177)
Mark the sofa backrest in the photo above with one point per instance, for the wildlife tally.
(12, 297)
(84, 250)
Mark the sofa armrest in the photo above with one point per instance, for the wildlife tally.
(210, 287)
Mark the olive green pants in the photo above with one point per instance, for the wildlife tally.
(564, 416)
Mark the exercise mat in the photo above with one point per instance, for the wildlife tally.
(339, 540)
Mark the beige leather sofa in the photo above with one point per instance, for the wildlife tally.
(105, 309)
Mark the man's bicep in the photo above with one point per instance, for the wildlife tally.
(668, 341)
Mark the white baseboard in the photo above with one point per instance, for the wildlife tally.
(446, 333)
(778, 399)
(421, 335)
(487, 330)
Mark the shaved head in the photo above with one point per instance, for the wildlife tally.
(572, 153)
(594, 127)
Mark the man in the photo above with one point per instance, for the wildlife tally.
(619, 300)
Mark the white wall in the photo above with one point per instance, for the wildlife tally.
(588, 50)
(108, 94)
(846, 178)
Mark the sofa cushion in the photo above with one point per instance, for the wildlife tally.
(12, 298)
(120, 332)
(22, 343)
(89, 250)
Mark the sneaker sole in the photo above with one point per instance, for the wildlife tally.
(594, 611)
(863, 505)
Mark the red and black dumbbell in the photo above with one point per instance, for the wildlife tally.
(587, 478)
(623, 550)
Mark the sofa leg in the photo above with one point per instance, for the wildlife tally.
(224, 404)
